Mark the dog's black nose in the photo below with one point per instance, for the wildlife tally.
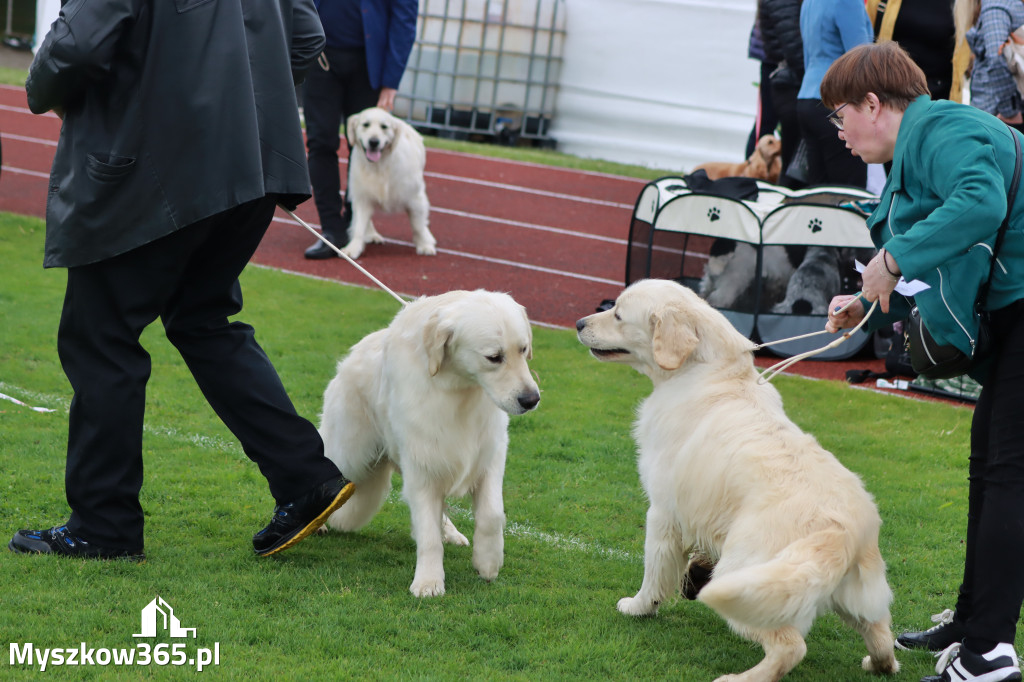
(529, 400)
(580, 324)
(373, 143)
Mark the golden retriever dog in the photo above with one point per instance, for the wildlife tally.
(765, 163)
(430, 396)
(791, 532)
(386, 173)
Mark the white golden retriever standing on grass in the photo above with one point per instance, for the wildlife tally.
(386, 173)
(792, 532)
(430, 396)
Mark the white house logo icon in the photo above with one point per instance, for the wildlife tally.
(166, 615)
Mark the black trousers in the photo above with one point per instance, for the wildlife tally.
(829, 162)
(767, 118)
(784, 98)
(993, 587)
(189, 279)
(330, 96)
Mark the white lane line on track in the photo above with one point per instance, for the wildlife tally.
(438, 176)
(540, 166)
(528, 190)
(26, 110)
(24, 138)
(488, 259)
(528, 226)
(24, 171)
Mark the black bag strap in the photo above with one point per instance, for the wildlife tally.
(1011, 196)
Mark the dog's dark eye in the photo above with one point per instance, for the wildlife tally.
(383, 126)
(496, 359)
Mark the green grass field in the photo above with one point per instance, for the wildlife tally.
(337, 606)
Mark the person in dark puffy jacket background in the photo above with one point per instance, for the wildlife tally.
(783, 46)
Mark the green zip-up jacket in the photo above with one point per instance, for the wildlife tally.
(940, 211)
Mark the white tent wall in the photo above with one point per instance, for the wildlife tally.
(659, 83)
(46, 14)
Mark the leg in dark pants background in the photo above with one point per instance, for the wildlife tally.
(993, 586)
(330, 96)
(829, 162)
(190, 280)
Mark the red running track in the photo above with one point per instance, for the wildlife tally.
(555, 239)
(552, 238)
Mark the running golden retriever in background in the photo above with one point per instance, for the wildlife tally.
(386, 173)
(791, 531)
(430, 396)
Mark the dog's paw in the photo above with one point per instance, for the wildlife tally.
(426, 249)
(427, 588)
(488, 567)
(886, 667)
(373, 236)
(353, 250)
(631, 606)
(451, 535)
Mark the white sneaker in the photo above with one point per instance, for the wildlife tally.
(959, 664)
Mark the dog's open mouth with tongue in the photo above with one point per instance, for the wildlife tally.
(373, 151)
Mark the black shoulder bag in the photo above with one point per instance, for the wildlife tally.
(933, 360)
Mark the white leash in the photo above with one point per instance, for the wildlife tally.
(344, 255)
(772, 371)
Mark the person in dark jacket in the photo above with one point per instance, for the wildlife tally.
(924, 29)
(368, 45)
(766, 121)
(180, 136)
(780, 31)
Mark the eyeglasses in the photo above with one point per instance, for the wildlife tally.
(836, 120)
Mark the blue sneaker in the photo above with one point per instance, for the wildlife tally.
(62, 542)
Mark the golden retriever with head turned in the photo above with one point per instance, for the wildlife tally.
(386, 173)
(791, 531)
(430, 396)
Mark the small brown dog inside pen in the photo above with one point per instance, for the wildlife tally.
(765, 163)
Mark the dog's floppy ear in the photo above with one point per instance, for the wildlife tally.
(399, 125)
(350, 129)
(529, 349)
(437, 332)
(673, 338)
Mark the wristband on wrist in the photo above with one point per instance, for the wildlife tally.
(885, 264)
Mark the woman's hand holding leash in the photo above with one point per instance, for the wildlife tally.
(879, 279)
(842, 313)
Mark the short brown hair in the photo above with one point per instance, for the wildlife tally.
(882, 68)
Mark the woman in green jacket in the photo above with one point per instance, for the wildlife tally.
(937, 220)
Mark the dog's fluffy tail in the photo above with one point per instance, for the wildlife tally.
(787, 590)
(365, 502)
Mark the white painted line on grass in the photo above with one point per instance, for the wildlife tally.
(513, 528)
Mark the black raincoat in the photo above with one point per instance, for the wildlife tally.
(143, 151)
